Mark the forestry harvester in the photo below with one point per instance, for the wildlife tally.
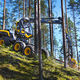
(20, 37)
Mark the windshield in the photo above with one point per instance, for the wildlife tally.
(27, 27)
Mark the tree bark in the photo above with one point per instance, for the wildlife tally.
(75, 35)
(51, 26)
(36, 26)
(29, 14)
(71, 45)
(39, 37)
(66, 16)
(64, 35)
(4, 14)
(23, 8)
(67, 31)
(29, 8)
(19, 8)
(43, 38)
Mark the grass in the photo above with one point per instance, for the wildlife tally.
(16, 66)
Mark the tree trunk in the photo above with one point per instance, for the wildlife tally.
(36, 26)
(75, 36)
(67, 31)
(29, 14)
(4, 14)
(51, 26)
(23, 8)
(66, 16)
(71, 45)
(43, 38)
(39, 37)
(29, 8)
(64, 35)
(19, 8)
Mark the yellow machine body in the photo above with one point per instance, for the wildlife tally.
(5, 31)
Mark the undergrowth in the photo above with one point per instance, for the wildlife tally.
(15, 66)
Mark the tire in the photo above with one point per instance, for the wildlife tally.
(17, 46)
(1, 41)
(6, 41)
(72, 63)
(45, 54)
(28, 50)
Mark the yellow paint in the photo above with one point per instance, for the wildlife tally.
(17, 23)
(25, 21)
(27, 51)
(72, 59)
(49, 21)
(18, 30)
(66, 30)
(5, 32)
(28, 36)
(72, 63)
(22, 32)
(1, 42)
(17, 47)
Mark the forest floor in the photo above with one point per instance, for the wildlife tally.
(15, 66)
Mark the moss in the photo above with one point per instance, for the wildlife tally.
(15, 66)
(1, 78)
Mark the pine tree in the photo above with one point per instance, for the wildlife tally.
(23, 8)
(4, 14)
(51, 26)
(72, 6)
(70, 33)
(39, 37)
(1, 17)
(26, 8)
(64, 36)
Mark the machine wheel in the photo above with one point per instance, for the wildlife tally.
(28, 51)
(17, 47)
(4, 41)
(45, 54)
(7, 42)
(1, 42)
(72, 63)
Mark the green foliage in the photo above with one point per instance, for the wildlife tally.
(72, 4)
(44, 56)
(7, 18)
(70, 23)
(75, 4)
(44, 8)
(11, 47)
(17, 10)
(71, 31)
(78, 6)
(44, 33)
(60, 58)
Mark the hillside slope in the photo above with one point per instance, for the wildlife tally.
(16, 66)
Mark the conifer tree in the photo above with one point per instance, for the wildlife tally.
(4, 14)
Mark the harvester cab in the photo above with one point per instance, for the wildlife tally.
(23, 28)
